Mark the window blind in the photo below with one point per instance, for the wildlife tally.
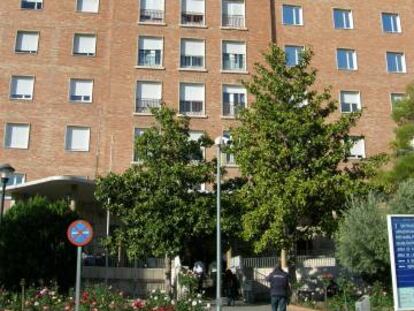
(77, 138)
(233, 7)
(152, 5)
(193, 6)
(85, 44)
(91, 6)
(27, 41)
(17, 136)
(22, 86)
(192, 92)
(192, 47)
(148, 43)
(149, 90)
(234, 47)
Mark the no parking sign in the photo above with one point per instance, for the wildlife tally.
(80, 233)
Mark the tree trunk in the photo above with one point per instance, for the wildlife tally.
(283, 260)
(168, 275)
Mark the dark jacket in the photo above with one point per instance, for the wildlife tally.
(279, 283)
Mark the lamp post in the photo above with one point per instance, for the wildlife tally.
(219, 142)
(5, 170)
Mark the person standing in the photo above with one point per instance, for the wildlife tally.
(279, 288)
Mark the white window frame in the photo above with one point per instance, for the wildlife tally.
(21, 32)
(223, 87)
(242, 70)
(151, 21)
(403, 62)
(359, 103)
(203, 67)
(298, 49)
(6, 132)
(361, 155)
(398, 30)
(136, 95)
(351, 18)
(243, 26)
(25, 95)
(87, 12)
(71, 80)
(354, 59)
(295, 23)
(156, 66)
(189, 114)
(75, 53)
(135, 159)
(79, 127)
(395, 94)
(192, 24)
(36, 6)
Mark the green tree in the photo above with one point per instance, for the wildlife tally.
(290, 147)
(34, 246)
(362, 238)
(403, 147)
(157, 200)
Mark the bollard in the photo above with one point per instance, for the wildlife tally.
(363, 304)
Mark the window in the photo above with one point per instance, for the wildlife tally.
(32, 4)
(148, 96)
(77, 138)
(350, 101)
(84, 44)
(87, 6)
(396, 62)
(357, 151)
(292, 55)
(81, 90)
(343, 19)
(396, 98)
(27, 42)
(151, 11)
(233, 13)
(192, 53)
(198, 155)
(192, 99)
(292, 15)
(14, 180)
(192, 12)
(234, 99)
(346, 59)
(228, 158)
(234, 56)
(17, 136)
(391, 22)
(21, 87)
(150, 51)
(138, 132)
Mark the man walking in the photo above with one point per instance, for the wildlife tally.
(279, 288)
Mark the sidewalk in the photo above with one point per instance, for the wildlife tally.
(265, 307)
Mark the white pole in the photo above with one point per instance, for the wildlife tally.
(218, 233)
(78, 278)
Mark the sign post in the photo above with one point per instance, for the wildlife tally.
(80, 233)
(401, 241)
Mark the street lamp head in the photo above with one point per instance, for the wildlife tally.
(6, 170)
(222, 141)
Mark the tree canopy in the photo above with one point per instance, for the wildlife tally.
(157, 201)
(290, 147)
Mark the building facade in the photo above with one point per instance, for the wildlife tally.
(78, 77)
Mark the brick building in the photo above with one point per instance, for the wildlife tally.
(78, 77)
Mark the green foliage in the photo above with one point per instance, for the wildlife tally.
(156, 200)
(402, 201)
(362, 241)
(290, 154)
(33, 244)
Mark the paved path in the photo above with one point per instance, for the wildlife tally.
(260, 308)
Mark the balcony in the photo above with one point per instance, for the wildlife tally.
(192, 61)
(144, 105)
(192, 18)
(233, 21)
(151, 16)
(191, 107)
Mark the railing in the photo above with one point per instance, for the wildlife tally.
(236, 21)
(80, 98)
(150, 58)
(231, 109)
(233, 61)
(21, 96)
(18, 50)
(154, 16)
(192, 61)
(192, 18)
(144, 105)
(259, 262)
(191, 107)
(99, 261)
(31, 5)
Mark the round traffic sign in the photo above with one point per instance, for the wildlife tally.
(80, 233)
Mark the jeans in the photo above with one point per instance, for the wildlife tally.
(278, 303)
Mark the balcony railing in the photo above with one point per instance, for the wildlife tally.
(192, 61)
(31, 5)
(144, 105)
(236, 21)
(233, 61)
(151, 16)
(192, 18)
(191, 107)
(21, 96)
(231, 109)
(150, 58)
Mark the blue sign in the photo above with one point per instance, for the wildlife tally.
(401, 229)
(80, 233)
